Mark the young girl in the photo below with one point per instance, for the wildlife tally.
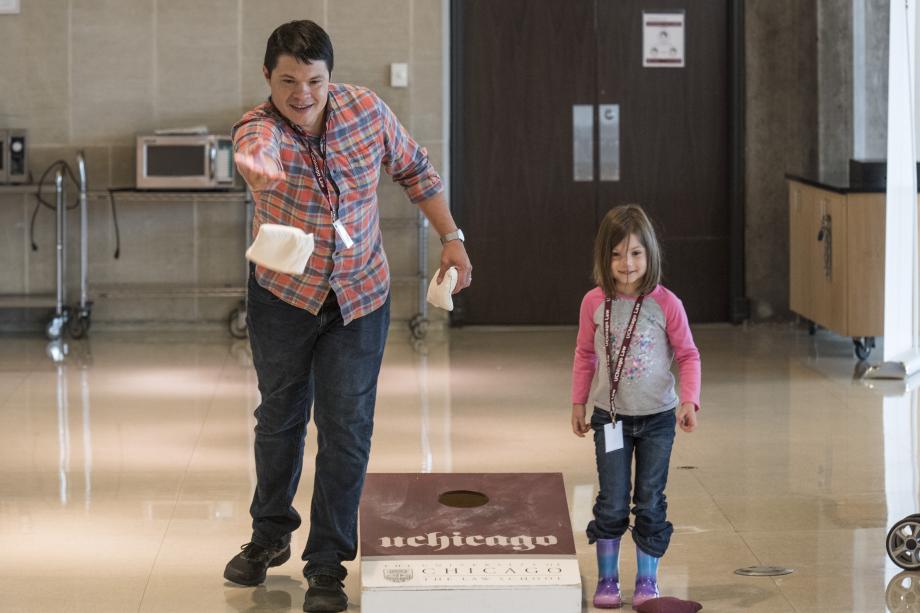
(625, 374)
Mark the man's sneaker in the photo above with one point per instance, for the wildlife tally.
(248, 566)
(325, 593)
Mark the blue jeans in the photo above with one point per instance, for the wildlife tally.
(649, 438)
(306, 362)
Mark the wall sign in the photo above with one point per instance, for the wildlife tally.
(663, 40)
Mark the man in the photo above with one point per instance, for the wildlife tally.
(312, 156)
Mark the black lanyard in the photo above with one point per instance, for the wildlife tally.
(614, 372)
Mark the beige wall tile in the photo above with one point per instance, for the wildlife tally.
(34, 78)
(392, 200)
(399, 239)
(427, 31)
(102, 241)
(157, 243)
(221, 239)
(124, 310)
(403, 304)
(113, 70)
(427, 101)
(122, 165)
(197, 64)
(13, 242)
(361, 30)
(367, 40)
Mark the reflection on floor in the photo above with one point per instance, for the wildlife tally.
(126, 468)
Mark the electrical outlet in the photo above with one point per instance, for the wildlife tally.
(399, 74)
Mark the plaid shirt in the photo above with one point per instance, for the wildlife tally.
(362, 133)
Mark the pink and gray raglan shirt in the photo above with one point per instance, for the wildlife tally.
(662, 335)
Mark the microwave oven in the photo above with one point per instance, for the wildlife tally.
(184, 161)
(14, 159)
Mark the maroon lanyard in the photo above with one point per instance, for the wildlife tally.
(614, 371)
(321, 176)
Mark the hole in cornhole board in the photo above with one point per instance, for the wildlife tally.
(463, 499)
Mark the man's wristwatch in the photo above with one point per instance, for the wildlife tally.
(452, 236)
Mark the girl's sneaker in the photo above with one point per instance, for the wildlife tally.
(607, 595)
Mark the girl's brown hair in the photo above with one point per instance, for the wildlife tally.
(619, 223)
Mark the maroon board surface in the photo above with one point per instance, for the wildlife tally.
(526, 514)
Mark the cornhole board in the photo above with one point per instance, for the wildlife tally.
(421, 552)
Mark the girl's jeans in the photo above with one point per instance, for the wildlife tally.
(310, 362)
(649, 439)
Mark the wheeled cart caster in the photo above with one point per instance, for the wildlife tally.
(57, 350)
(79, 325)
(55, 328)
(903, 593)
(237, 323)
(863, 346)
(419, 326)
(903, 543)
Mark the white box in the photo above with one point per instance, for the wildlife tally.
(516, 552)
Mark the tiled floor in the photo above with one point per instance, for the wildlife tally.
(126, 470)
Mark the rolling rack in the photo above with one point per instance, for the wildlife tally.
(236, 321)
(76, 320)
(418, 324)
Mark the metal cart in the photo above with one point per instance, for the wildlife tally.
(237, 318)
(78, 318)
(418, 325)
(903, 543)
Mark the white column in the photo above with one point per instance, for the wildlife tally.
(900, 328)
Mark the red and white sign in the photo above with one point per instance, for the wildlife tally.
(663, 40)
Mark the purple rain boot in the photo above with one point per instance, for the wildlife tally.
(607, 594)
(646, 578)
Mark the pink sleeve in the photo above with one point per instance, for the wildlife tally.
(585, 362)
(685, 352)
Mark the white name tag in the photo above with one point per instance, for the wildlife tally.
(613, 437)
(343, 233)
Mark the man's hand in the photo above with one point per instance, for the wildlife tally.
(453, 253)
(579, 426)
(686, 417)
(259, 169)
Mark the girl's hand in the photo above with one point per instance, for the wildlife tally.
(258, 168)
(579, 427)
(686, 417)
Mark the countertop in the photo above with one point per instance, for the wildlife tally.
(839, 183)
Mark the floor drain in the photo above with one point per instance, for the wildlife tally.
(764, 571)
(686, 468)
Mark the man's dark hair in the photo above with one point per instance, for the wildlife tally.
(303, 39)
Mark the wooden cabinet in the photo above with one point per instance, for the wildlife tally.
(837, 277)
